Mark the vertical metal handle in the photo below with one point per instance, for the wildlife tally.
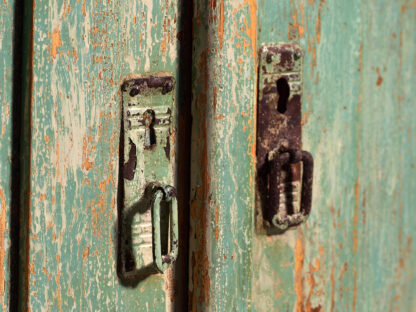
(278, 218)
(168, 194)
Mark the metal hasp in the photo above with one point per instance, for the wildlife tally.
(284, 171)
(149, 209)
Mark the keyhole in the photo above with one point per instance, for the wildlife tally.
(283, 89)
(149, 135)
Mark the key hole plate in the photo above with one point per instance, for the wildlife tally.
(146, 158)
(279, 123)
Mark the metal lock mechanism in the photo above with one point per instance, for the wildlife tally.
(149, 211)
(284, 171)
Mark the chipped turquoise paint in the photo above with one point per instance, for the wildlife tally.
(222, 196)
(82, 50)
(6, 63)
(357, 250)
(147, 116)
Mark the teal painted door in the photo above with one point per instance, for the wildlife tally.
(356, 252)
(80, 53)
(6, 96)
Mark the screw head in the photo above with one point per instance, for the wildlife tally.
(168, 86)
(297, 55)
(134, 91)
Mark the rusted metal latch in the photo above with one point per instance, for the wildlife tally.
(284, 171)
(149, 211)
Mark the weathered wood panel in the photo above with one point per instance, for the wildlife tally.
(356, 252)
(82, 50)
(223, 155)
(6, 82)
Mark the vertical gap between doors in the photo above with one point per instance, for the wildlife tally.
(184, 145)
(20, 162)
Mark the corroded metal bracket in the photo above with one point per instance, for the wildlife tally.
(284, 171)
(149, 213)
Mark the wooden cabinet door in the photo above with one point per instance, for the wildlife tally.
(60, 130)
(7, 11)
(80, 53)
(356, 251)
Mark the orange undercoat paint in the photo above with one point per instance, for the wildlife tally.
(299, 261)
(220, 31)
(56, 42)
(3, 232)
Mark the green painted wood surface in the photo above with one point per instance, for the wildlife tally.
(223, 155)
(6, 69)
(356, 252)
(82, 50)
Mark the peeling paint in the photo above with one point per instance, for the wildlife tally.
(90, 46)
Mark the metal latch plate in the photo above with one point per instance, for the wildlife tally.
(146, 156)
(279, 125)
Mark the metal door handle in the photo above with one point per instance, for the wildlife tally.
(283, 219)
(168, 194)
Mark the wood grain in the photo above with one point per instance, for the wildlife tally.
(356, 252)
(82, 50)
(6, 97)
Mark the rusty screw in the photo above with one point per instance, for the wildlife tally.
(134, 91)
(168, 86)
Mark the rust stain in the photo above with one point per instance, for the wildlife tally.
(86, 253)
(354, 300)
(86, 163)
(299, 261)
(252, 30)
(163, 45)
(313, 64)
(203, 264)
(300, 28)
(56, 42)
(355, 221)
(49, 225)
(332, 279)
(343, 270)
(2, 233)
(102, 185)
(318, 24)
(379, 78)
(220, 31)
(200, 262)
(252, 34)
(7, 114)
(74, 55)
(312, 284)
